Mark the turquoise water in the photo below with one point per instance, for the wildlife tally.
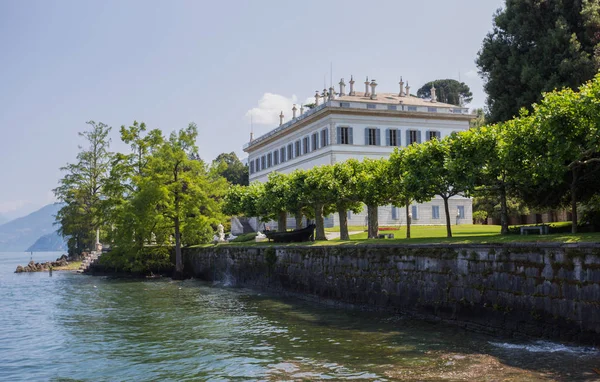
(71, 327)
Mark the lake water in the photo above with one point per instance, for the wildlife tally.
(71, 327)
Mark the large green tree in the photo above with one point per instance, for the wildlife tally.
(82, 189)
(536, 46)
(190, 196)
(447, 91)
(231, 168)
(345, 192)
(374, 190)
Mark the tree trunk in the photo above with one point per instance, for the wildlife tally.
(447, 209)
(320, 223)
(282, 221)
(344, 235)
(574, 202)
(373, 228)
(178, 259)
(408, 219)
(298, 217)
(503, 211)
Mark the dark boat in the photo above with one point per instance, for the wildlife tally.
(298, 235)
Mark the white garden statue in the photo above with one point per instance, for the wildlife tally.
(220, 233)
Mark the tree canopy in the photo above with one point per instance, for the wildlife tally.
(537, 46)
(447, 91)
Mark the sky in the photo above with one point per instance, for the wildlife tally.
(169, 63)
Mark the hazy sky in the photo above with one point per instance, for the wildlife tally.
(169, 63)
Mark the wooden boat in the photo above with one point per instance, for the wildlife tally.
(298, 235)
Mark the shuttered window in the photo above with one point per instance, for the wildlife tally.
(392, 137)
(345, 135)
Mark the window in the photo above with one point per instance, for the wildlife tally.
(297, 151)
(251, 167)
(460, 214)
(371, 106)
(372, 136)
(257, 164)
(415, 212)
(456, 110)
(411, 108)
(282, 154)
(345, 135)
(392, 107)
(305, 145)
(275, 158)
(324, 137)
(435, 212)
(315, 141)
(269, 160)
(433, 135)
(290, 151)
(263, 162)
(392, 137)
(394, 213)
(344, 104)
(413, 136)
(432, 109)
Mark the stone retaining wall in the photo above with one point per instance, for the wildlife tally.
(543, 290)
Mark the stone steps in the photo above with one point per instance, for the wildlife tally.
(88, 260)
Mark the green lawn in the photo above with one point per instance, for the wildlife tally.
(462, 234)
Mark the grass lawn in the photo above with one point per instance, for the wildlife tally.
(462, 234)
(469, 233)
(72, 266)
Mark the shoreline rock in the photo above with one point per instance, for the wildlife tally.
(32, 266)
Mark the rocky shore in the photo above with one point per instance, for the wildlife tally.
(40, 267)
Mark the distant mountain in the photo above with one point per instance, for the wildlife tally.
(51, 242)
(3, 219)
(20, 234)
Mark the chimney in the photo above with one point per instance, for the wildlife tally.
(317, 96)
(281, 118)
(301, 110)
(433, 99)
(407, 89)
(331, 93)
(294, 112)
(342, 88)
(367, 83)
(352, 92)
(401, 94)
(373, 93)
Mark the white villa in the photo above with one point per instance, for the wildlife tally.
(357, 124)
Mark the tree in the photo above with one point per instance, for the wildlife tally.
(448, 91)
(82, 189)
(190, 196)
(345, 192)
(319, 193)
(373, 190)
(274, 199)
(296, 201)
(564, 164)
(537, 46)
(431, 170)
(398, 168)
(231, 168)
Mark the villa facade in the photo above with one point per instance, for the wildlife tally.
(361, 125)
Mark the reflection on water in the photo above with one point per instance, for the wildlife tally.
(70, 326)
